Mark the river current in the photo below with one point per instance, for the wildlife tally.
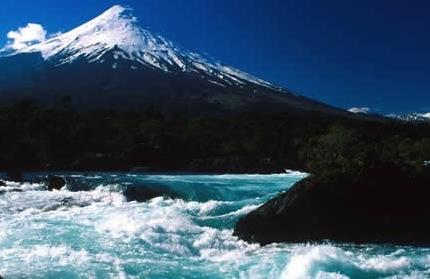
(96, 233)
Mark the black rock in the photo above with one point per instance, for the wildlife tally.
(384, 205)
(55, 182)
(143, 193)
(14, 175)
(78, 185)
(2, 183)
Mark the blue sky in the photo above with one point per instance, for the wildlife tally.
(347, 53)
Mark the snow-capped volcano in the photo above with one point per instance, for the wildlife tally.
(118, 30)
(111, 61)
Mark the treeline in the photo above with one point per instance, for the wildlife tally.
(62, 138)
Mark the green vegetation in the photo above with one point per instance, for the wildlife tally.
(34, 138)
(353, 151)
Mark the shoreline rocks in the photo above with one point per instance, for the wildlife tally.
(384, 205)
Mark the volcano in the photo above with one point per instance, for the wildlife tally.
(111, 62)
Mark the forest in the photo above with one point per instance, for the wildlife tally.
(65, 138)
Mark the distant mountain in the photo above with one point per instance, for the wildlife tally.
(111, 62)
(412, 117)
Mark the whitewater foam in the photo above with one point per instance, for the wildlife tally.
(97, 233)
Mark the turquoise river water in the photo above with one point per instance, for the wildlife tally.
(96, 233)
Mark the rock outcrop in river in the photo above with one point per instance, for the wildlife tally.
(143, 193)
(55, 182)
(384, 205)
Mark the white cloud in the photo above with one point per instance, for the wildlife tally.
(364, 110)
(25, 36)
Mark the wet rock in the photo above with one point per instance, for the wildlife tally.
(14, 175)
(143, 193)
(2, 183)
(78, 185)
(384, 205)
(55, 182)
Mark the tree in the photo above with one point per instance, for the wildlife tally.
(339, 151)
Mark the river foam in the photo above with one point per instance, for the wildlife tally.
(98, 234)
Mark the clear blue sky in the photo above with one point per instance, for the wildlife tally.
(367, 53)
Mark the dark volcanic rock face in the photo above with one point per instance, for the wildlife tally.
(382, 206)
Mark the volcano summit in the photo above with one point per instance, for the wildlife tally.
(111, 62)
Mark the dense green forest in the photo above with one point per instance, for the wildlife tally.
(62, 138)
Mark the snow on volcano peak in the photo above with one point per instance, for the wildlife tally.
(117, 30)
(115, 27)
